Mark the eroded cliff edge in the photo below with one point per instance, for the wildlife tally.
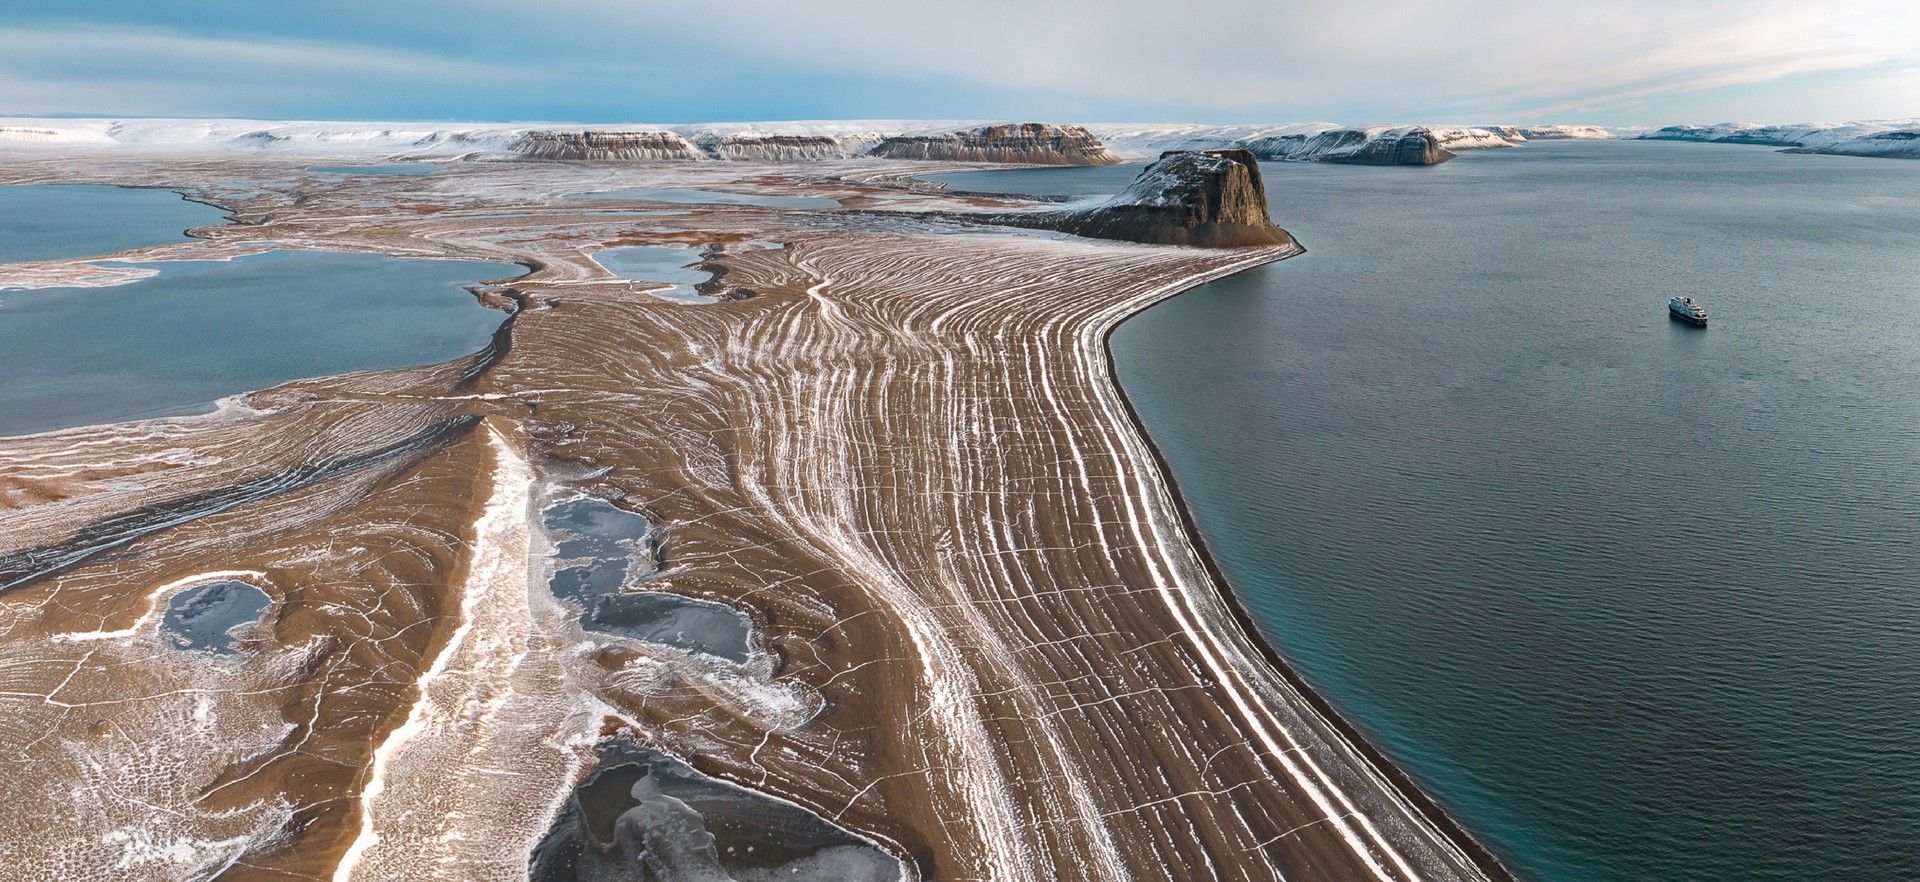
(1203, 198)
(1029, 143)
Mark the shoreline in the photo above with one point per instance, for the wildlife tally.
(1404, 784)
(944, 381)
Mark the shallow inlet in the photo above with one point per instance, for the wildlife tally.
(687, 196)
(176, 342)
(62, 221)
(659, 263)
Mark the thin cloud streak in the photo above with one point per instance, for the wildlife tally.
(1415, 60)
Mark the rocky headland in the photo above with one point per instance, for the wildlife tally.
(1204, 198)
(606, 145)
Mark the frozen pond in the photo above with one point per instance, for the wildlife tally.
(645, 815)
(203, 618)
(600, 551)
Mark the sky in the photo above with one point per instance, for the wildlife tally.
(1608, 62)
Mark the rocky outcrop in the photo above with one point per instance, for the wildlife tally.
(1028, 143)
(1317, 142)
(1206, 198)
(758, 147)
(1411, 146)
(606, 145)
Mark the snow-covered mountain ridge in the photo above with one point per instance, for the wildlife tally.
(770, 141)
(1898, 138)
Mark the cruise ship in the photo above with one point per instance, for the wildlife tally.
(1684, 309)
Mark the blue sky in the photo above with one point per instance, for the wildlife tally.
(1468, 61)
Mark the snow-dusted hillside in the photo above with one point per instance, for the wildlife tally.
(783, 141)
(1328, 142)
(1318, 141)
(1899, 138)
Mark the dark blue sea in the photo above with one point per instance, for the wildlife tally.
(1636, 601)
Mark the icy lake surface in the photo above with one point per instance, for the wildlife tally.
(645, 815)
(198, 331)
(602, 553)
(202, 618)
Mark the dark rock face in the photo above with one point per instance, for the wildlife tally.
(1413, 147)
(1029, 143)
(1204, 198)
(606, 145)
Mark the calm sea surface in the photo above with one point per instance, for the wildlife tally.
(198, 331)
(1637, 601)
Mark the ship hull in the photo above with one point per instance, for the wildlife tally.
(1689, 318)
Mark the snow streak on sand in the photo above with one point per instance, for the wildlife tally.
(464, 788)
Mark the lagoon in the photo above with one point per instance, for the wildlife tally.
(197, 331)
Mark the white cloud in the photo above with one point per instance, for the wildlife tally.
(1314, 58)
(161, 71)
(1465, 60)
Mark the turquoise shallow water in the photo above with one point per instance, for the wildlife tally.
(1636, 601)
(658, 263)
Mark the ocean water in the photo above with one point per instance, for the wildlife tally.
(58, 221)
(1637, 601)
(176, 342)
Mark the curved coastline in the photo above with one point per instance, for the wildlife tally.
(1408, 789)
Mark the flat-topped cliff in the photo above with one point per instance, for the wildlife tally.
(762, 147)
(1318, 142)
(1204, 198)
(606, 145)
(1029, 143)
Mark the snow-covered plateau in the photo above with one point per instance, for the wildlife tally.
(1899, 138)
